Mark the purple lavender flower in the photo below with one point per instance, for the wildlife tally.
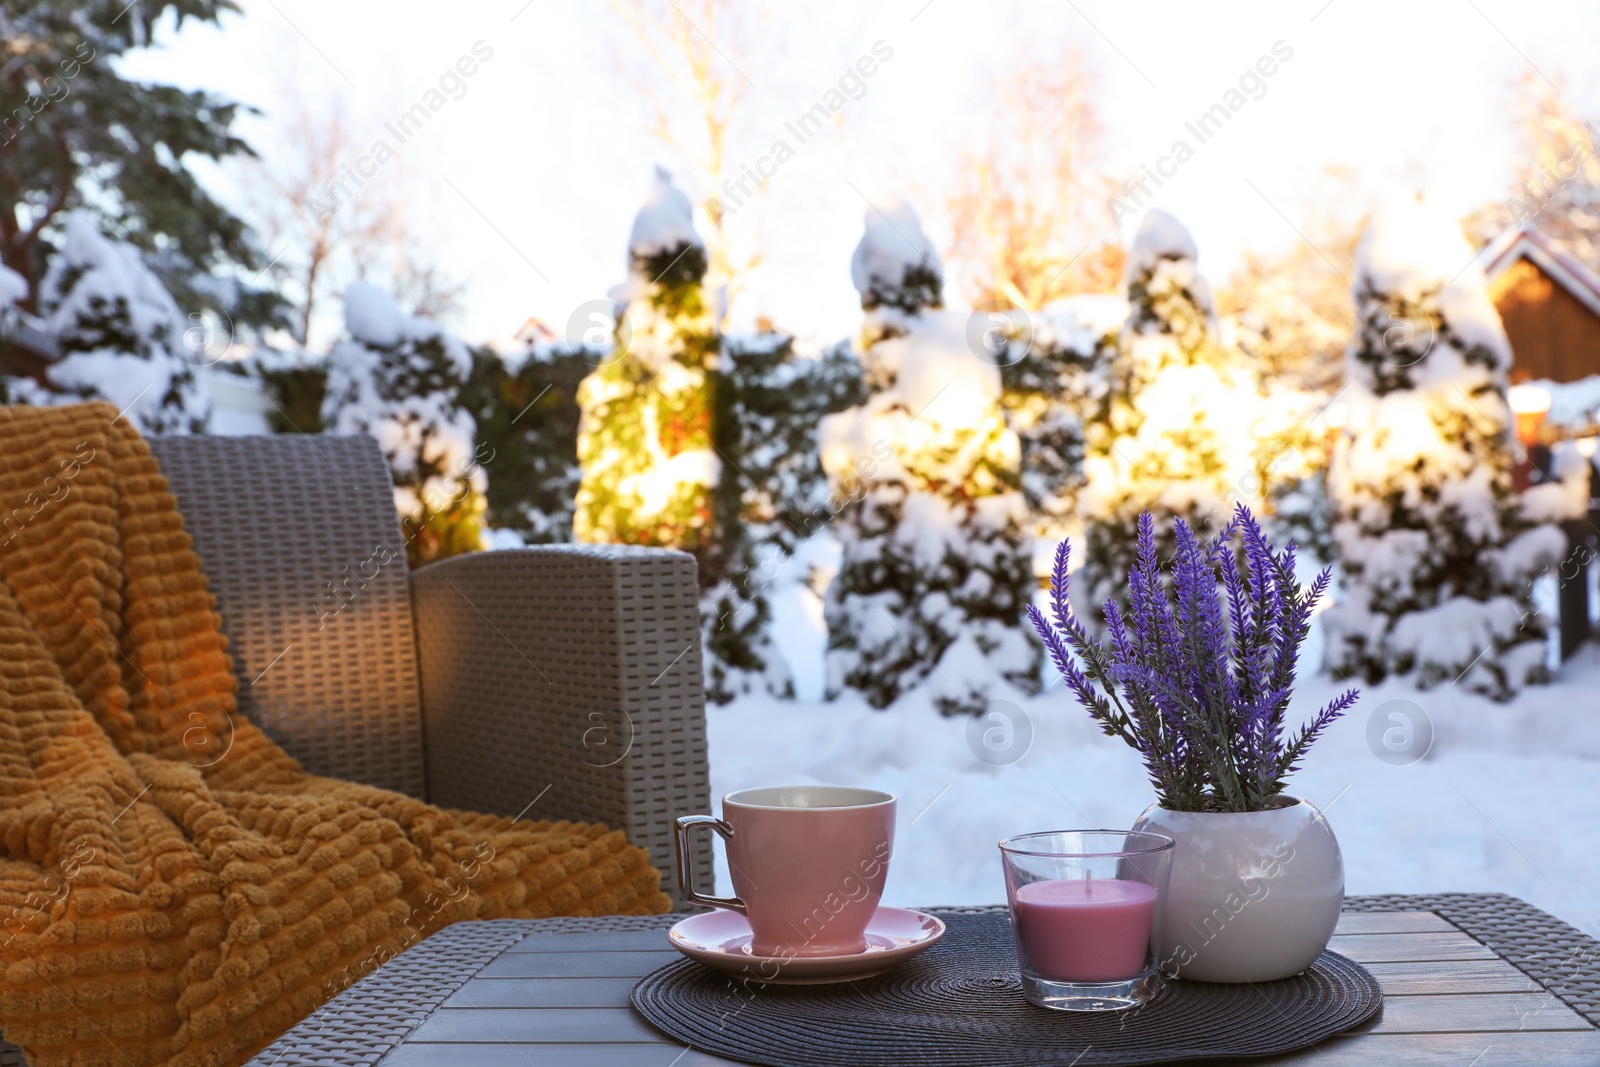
(1199, 671)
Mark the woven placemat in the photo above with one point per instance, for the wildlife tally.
(960, 1004)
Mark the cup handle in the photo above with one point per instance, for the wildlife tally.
(685, 872)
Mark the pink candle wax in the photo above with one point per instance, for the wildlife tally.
(1084, 930)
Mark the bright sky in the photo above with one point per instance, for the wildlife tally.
(530, 179)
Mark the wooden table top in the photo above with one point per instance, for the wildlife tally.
(562, 999)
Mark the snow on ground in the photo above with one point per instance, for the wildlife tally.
(1507, 799)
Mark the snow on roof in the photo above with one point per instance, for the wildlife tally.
(666, 220)
(1527, 241)
(891, 243)
(1160, 237)
(1412, 250)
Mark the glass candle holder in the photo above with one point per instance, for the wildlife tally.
(1086, 909)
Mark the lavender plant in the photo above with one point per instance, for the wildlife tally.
(1198, 674)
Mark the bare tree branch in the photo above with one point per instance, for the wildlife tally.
(1032, 197)
(326, 224)
(689, 69)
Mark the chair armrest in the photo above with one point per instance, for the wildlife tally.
(564, 682)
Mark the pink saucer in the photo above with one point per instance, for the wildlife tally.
(721, 939)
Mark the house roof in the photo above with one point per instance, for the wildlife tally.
(1527, 241)
(535, 331)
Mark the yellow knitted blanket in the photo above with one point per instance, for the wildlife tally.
(158, 910)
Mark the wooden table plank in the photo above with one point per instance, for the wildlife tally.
(577, 964)
(1413, 1050)
(1392, 922)
(542, 993)
(1455, 1013)
(575, 1025)
(1526, 1049)
(607, 941)
(1404, 948)
(1397, 979)
(1461, 976)
(1557, 1049)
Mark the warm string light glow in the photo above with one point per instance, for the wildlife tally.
(1529, 399)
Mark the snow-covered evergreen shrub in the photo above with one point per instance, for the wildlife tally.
(775, 400)
(1290, 329)
(119, 334)
(935, 570)
(13, 291)
(295, 381)
(894, 265)
(780, 398)
(400, 379)
(644, 441)
(1175, 433)
(525, 403)
(1436, 548)
(1053, 367)
(1292, 431)
(658, 443)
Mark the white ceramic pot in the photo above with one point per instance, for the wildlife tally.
(1254, 895)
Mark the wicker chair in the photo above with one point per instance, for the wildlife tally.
(559, 682)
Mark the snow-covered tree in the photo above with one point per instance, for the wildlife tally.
(400, 379)
(295, 382)
(78, 126)
(13, 291)
(13, 288)
(1175, 434)
(1293, 430)
(1291, 315)
(645, 445)
(897, 272)
(779, 398)
(525, 402)
(1054, 366)
(119, 335)
(1288, 308)
(935, 569)
(1436, 548)
(749, 428)
(687, 58)
(658, 442)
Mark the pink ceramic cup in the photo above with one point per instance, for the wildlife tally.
(808, 864)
